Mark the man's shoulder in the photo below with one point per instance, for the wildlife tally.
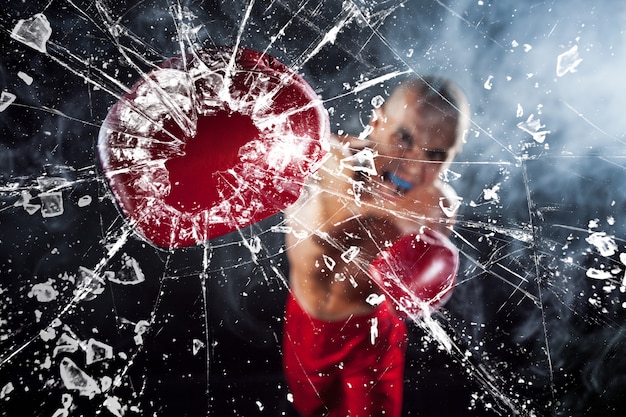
(331, 173)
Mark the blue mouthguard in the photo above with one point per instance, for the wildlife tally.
(405, 185)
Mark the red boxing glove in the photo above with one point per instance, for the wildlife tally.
(211, 142)
(418, 272)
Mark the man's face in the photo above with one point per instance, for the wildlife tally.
(414, 142)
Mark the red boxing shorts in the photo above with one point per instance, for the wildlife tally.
(352, 367)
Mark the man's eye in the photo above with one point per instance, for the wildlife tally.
(405, 139)
(436, 154)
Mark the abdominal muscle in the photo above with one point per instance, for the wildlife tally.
(324, 294)
(328, 286)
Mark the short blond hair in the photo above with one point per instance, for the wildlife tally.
(442, 94)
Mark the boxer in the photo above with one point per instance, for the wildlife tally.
(219, 138)
(343, 350)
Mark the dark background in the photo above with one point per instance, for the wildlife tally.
(532, 333)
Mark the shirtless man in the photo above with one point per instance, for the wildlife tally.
(343, 354)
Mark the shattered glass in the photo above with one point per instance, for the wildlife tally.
(94, 319)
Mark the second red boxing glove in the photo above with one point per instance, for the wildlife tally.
(417, 273)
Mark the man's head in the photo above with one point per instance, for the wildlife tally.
(419, 131)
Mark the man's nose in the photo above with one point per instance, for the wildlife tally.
(413, 167)
(415, 155)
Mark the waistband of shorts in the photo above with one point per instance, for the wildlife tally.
(357, 319)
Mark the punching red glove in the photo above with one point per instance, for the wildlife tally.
(417, 273)
(211, 142)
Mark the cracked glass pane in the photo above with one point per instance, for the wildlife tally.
(160, 161)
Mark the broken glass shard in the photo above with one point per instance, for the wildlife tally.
(362, 161)
(105, 383)
(374, 330)
(28, 80)
(47, 334)
(44, 291)
(51, 204)
(97, 351)
(449, 176)
(75, 378)
(196, 345)
(281, 229)
(25, 201)
(255, 245)
(450, 206)
(61, 412)
(568, 61)
(489, 83)
(377, 102)
(534, 127)
(6, 390)
(141, 327)
(52, 183)
(66, 401)
(114, 406)
(31, 208)
(605, 244)
(88, 284)
(375, 299)
(6, 99)
(130, 274)
(84, 201)
(33, 32)
(329, 262)
(65, 344)
(349, 255)
(600, 274)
